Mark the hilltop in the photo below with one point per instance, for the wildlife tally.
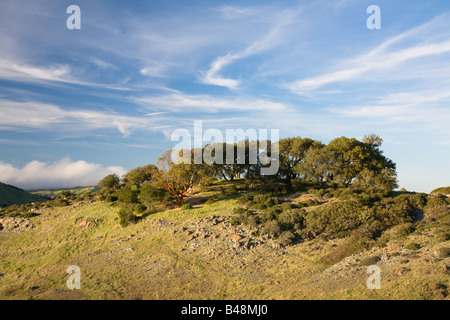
(206, 250)
(443, 190)
(10, 195)
(181, 230)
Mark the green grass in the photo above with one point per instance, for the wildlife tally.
(443, 190)
(153, 259)
(53, 194)
(10, 195)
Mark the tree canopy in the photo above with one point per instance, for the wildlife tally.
(343, 162)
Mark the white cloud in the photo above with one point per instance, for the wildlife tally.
(42, 116)
(212, 75)
(56, 74)
(271, 39)
(179, 102)
(14, 70)
(64, 173)
(428, 40)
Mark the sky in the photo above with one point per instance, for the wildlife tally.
(78, 104)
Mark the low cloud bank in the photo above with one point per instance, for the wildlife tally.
(63, 173)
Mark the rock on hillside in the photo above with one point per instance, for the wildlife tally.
(10, 224)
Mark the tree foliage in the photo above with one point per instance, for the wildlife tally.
(140, 175)
(111, 181)
(176, 178)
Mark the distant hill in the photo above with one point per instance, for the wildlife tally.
(56, 193)
(10, 195)
(443, 190)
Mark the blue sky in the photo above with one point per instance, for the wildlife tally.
(76, 105)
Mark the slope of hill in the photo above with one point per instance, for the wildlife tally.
(53, 194)
(201, 253)
(443, 190)
(10, 195)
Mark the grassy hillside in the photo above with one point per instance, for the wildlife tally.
(443, 190)
(10, 195)
(53, 194)
(206, 253)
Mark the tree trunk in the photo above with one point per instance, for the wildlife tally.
(178, 201)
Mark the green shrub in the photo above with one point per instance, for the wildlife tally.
(346, 194)
(286, 238)
(236, 220)
(139, 208)
(319, 193)
(66, 193)
(272, 228)
(401, 231)
(370, 261)
(292, 219)
(272, 201)
(151, 210)
(126, 216)
(270, 214)
(442, 233)
(261, 198)
(241, 211)
(336, 219)
(412, 246)
(302, 204)
(259, 206)
(436, 209)
(186, 206)
(149, 194)
(251, 221)
(244, 199)
(265, 200)
(128, 194)
(111, 198)
(59, 202)
(287, 206)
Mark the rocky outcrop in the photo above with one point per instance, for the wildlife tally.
(10, 224)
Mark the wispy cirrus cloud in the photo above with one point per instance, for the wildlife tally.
(269, 40)
(14, 70)
(49, 117)
(429, 40)
(176, 102)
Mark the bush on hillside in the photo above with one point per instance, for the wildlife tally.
(292, 219)
(149, 195)
(270, 214)
(272, 228)
(286, 238)
(128, 194)
(186, 206)
(139, 208)
(126, 217)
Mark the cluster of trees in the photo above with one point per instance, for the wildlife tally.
(343, 162)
